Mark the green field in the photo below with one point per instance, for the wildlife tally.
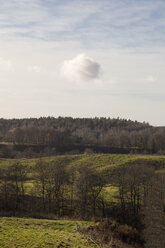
(102, 162)
(34, 233)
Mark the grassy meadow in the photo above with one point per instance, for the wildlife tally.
(104, 163)
(36, 233)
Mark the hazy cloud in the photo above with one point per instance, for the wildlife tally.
(6, 65)
(34, 68)
(151, 79)
(81, 67)
(125, 37)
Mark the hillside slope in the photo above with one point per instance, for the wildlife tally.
(50, 136)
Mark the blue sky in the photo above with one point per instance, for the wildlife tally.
(83, 58)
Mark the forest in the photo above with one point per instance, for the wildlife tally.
(65, 135)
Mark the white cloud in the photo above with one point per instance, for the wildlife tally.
(81, 67)
(126, 37)
(96, 23)
(6, 65)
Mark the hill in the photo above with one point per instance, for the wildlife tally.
(51, 136)
(124, 192)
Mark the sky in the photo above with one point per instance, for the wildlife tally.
(83, 58)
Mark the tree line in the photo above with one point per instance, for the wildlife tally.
(82, 192)
(97, 133)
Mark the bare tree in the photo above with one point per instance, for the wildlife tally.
(40, 170)
(154, 214)
(89, 184)
(132, 181)
(50, 180)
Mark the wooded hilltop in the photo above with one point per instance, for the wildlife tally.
(50, 136)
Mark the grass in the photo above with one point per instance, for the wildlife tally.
(36, 233)
(104, 163)
(110, 193)
(99, 161)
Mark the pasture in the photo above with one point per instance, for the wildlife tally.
(37, 233)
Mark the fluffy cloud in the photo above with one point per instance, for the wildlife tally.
(81, 67)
